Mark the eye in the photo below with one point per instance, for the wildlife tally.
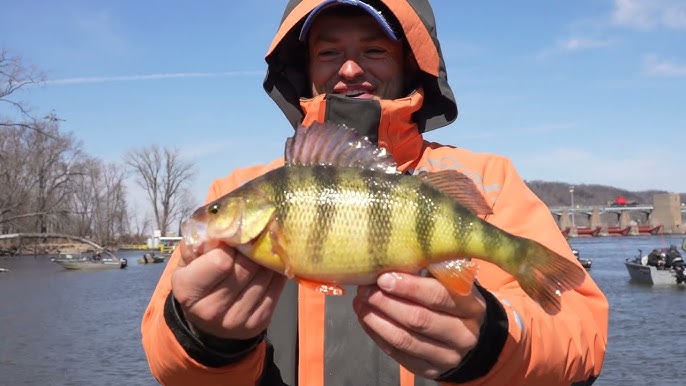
(376, 52)
(327, 54)
(214, 209)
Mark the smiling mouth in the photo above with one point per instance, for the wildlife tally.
(355, 91)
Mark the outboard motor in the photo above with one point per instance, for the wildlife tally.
(679, 268)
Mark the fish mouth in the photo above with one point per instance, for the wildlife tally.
(194, 234)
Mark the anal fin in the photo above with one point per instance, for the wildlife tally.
(457, 275)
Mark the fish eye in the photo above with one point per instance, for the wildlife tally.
(214, 209)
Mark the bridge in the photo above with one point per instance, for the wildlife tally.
(557, 210)
(667, 212)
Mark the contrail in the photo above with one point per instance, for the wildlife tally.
(125, 78)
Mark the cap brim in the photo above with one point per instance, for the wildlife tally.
(373, 12)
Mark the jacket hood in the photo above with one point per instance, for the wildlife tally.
(286, 80)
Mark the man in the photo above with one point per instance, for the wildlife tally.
(673, 258)
(656, 258)
(377, 67)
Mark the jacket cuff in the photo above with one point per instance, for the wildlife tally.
(206, 349)
(492, 336)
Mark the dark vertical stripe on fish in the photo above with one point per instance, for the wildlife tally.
(325, 179)
(379, 214)
(462, 225)
(279, 183)
(425, 225)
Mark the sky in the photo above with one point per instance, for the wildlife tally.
(580, 92)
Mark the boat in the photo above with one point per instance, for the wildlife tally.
(649, 229)
(641, 272)
(86, 262)
(3, 270)
(586, 263)
(151, 259)
(588, 231)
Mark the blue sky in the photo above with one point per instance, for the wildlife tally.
(584, 91)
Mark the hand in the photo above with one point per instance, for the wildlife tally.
(224, 293)
(419, 323)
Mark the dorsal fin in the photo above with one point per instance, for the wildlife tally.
(460, 187)
(337, 145)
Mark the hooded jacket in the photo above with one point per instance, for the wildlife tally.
(315, 340)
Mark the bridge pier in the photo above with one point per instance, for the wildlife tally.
(595, 218)
(667, 211)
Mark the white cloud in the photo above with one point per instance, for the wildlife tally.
(575, 44)
(647, 14)
(580, 43)
(653, 65)
(123, 78)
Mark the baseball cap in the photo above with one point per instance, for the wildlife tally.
(365, 5)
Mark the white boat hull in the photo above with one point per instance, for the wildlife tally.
(89, 265)
(77, 261)
(650, 275)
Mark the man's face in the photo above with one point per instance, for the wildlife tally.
(353, 56)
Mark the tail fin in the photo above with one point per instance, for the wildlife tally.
(544, 274)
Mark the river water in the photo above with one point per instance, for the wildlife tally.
(60, 327)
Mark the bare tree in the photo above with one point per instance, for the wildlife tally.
(37, 169)
(57, 159)
(15, 76)
(165, 177)
(98, 206)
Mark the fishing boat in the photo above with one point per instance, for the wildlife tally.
(586, 263)
(85, 262)
(641, 272)
(151, 259)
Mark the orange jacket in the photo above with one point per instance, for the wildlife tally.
(540, 348)
(520, 343)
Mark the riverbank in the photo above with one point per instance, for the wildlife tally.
(9, 249)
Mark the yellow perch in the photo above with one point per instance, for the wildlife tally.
(338, 212)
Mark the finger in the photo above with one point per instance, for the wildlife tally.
(238, 314)
(188, 254)
(265, 308)
(194, 281)
(460, 333)
(418, 353)
(432, 294)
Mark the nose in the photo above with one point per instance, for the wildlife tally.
(350, 70)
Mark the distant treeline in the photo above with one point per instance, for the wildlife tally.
(557, 194)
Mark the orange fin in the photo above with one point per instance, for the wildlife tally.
(457, 275)
(460, 187)
(327, 289)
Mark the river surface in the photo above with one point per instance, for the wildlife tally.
(61, 327)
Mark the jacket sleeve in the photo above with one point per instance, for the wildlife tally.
(565, 348)
(170, 357)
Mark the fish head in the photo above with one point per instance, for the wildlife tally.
(234, 220)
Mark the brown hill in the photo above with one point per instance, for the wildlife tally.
(557, 194)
